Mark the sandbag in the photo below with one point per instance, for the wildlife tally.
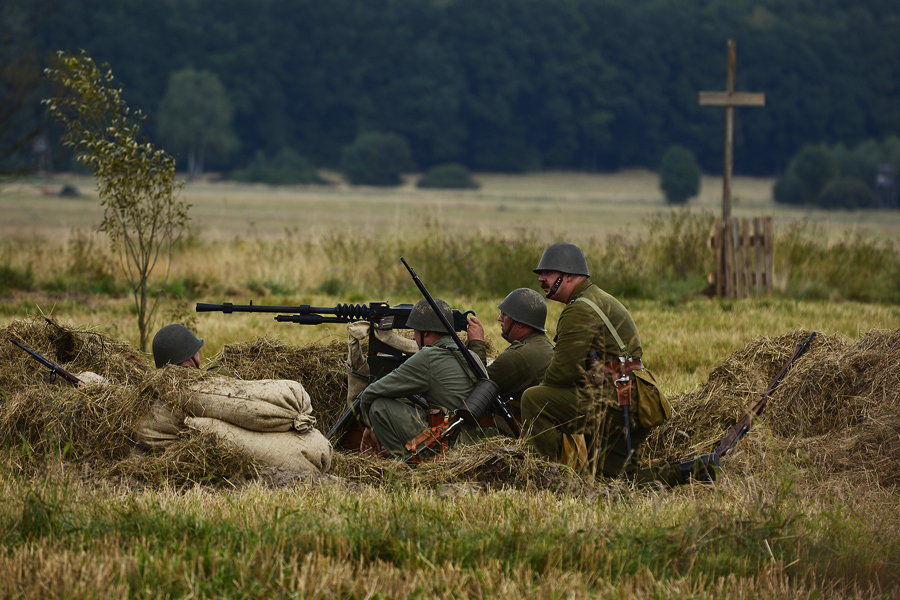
(264, 405)
(159, 427)
(308, 451)
(358, 365)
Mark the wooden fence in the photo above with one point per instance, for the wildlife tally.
(745, 258)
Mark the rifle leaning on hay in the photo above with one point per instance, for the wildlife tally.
(55, 369)
(743, 426)
(381, 358)
(485, 396)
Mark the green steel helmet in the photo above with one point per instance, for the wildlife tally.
(525, 306)
(174, 344)
(423, 318)
(565, 258)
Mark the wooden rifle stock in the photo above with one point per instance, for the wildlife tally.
(55, 369)
(743, 425)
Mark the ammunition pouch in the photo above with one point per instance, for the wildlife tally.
(653, 406)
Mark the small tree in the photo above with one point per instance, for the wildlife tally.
(679, 175)
(135, 180)
(195, 118)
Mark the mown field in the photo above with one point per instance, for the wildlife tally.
(789, 520)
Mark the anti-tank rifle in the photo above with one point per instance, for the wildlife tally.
(381, 359)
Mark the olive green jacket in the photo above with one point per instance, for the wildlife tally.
(521, 366)
(435, 372)
(580, 329)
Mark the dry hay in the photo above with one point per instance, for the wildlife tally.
(495, 463)
(836, 412)
(51, 416)
(75, 350)
(46, 417)
(320, 368)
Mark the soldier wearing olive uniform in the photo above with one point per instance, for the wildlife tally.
(437, 373)
(522, 365)
(562, 404)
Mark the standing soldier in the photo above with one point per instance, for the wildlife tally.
(522, 365)
(589, 387)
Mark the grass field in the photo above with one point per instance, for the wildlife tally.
(784, 529)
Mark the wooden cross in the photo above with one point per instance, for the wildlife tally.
(729, 99)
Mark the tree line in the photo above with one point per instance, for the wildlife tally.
(505, 85)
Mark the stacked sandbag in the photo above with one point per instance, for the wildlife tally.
(269, 420)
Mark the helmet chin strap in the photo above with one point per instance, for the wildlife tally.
(555, 287)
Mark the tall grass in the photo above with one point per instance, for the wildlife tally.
(670, 260)
(750, 539)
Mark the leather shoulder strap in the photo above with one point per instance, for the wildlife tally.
(603, 316)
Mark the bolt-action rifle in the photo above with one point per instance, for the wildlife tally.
(743, 426)
(55, 369)
(381, 359)
(485, 396)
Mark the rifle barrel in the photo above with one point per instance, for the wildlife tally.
(55, 369)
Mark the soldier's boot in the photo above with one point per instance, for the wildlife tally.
(704, 468)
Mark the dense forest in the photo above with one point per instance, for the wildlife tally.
(503, 85)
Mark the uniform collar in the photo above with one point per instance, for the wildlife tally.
(580, 289)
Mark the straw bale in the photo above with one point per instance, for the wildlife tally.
(837, 409)
(319, 368)
(74, 349)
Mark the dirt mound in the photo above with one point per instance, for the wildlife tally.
(836, 413)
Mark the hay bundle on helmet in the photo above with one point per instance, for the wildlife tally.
(839, 404)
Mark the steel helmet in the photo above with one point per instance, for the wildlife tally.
(565, 258)
(423, 318)
(174, 344)
(525, 306)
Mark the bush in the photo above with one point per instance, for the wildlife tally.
(377, 159)
(789, 189)
(846, 192)
(285, 168)
(679, 175)
(814, 166)
(448, 176)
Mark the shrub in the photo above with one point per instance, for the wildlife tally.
(377, 159)
(846, 192)
(285, 168)
(679, 175)
(448, 176)
(814, 166)
(789, 189)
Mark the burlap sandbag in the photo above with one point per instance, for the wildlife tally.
(160, 426)
(308, 451)
(357, 364)
(264, 405)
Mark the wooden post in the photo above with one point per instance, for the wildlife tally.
(758, 248)
(770, 259)
(729, 99)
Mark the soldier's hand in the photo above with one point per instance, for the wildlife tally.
(475, 330)
(371, 445)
